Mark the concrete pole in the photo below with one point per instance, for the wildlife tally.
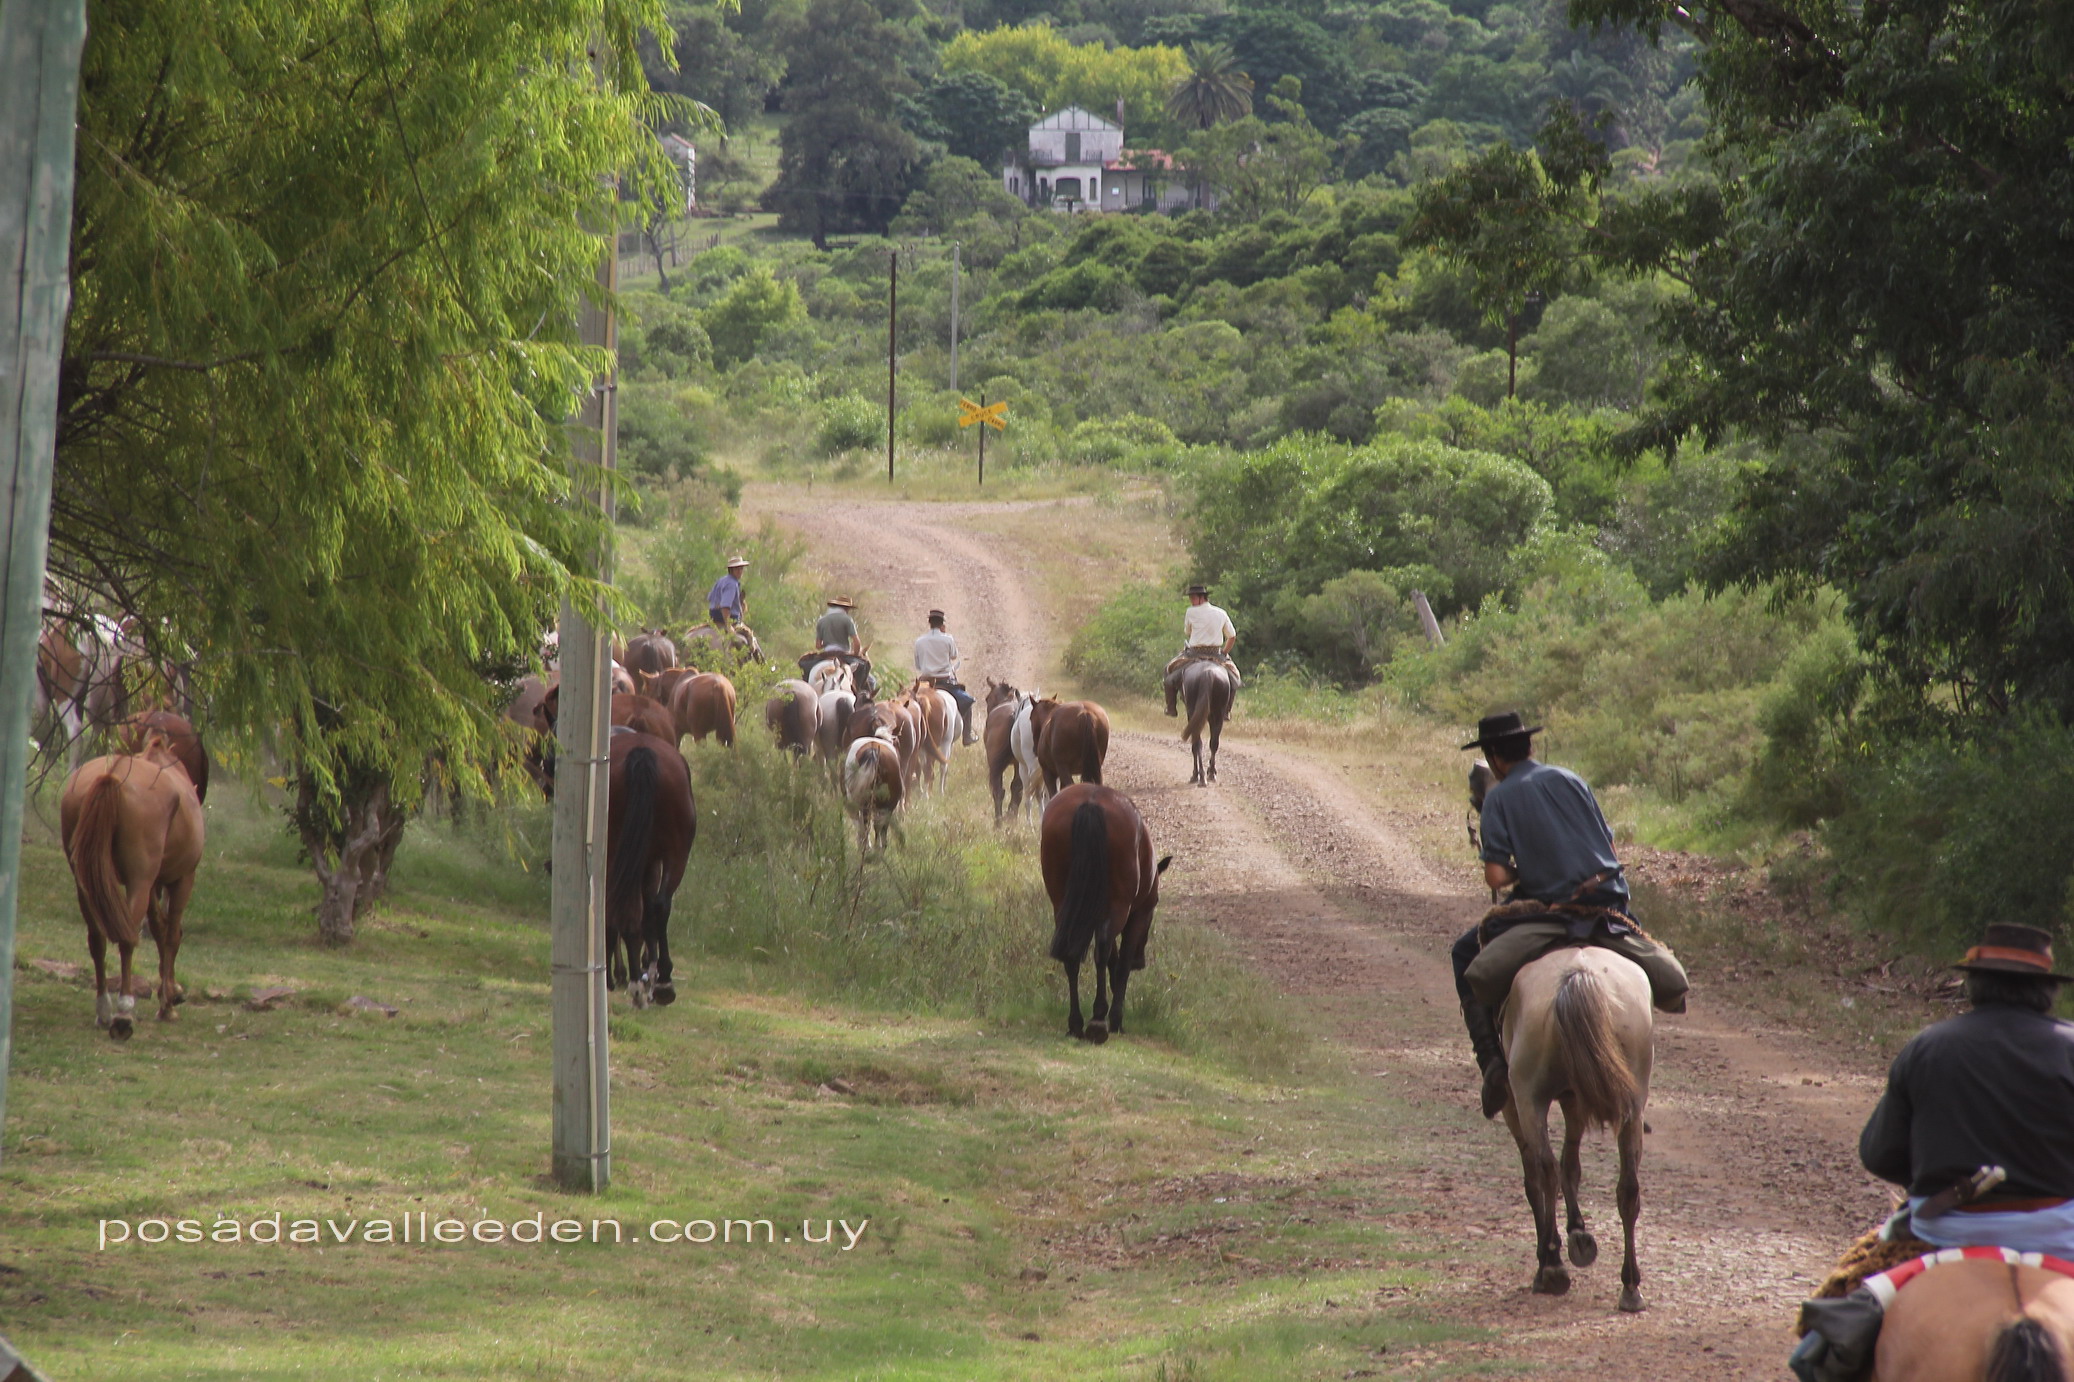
(582, 1070)
(39, 102)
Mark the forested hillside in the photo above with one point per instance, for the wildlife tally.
(1695, 364)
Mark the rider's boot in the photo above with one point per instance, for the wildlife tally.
(1490, 1057)
(966, 716)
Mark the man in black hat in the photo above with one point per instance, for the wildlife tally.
(1546, 839)
(1206, 635)
(1991, 1087)
(936, 657)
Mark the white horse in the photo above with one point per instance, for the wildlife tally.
(835, 714)
(1022, 741)
(832, 674)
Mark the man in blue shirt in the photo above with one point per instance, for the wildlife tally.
(1546, 839)
(725, 605)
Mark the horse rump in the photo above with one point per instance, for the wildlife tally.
(91, 851)
(1605, 1088)
(2026, 1351)
(1084, 903)
(639, 786)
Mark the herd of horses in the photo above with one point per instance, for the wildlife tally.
(1578, 1027)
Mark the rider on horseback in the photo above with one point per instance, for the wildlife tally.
(1990, 1087)
(1207, 635)
(725, 604)
(1545, 837)
(835, 636)
(936, 657)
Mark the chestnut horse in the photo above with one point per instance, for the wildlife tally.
(1579, 1032)
(1206, 689)
(936, 730)
(1075, 739)
(181, 741)
(662, 685)
(650, 821)
(1978, 1321)
(132, 829)
(705, 704)
(1098, 871)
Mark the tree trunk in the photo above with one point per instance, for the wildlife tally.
(352, 856)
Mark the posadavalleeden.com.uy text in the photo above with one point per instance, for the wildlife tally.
(438, 1230)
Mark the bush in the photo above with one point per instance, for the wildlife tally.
(753, 307)
(1130, 638)
(850, 424)
(1946, 835)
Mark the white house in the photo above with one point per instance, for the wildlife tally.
(685, 155)
(1077, 162)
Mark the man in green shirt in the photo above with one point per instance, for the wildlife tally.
(836, 631)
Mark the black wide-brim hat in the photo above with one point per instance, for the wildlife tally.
(1507, 724)
(2007, 948)
(1201, 590)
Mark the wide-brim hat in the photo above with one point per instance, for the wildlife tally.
(1199, 589)
(736, 563)
(936, 614)
(1506, 724)
(2007, 948)
(840, 602)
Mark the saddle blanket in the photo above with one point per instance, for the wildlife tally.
(1886, 1284)
(1517, 934)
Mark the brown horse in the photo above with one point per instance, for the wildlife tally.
(132, 830)
(1103, 884)
(936, 730)
(1001, 699)
(650, 822)
(793, 713)
(1578, 1031)
(1978, 1321)
(738, 646)
(1074, 740)
(61, 685)
(873, 785)
(662, 685)
(180, 739)
(644, 715)
(705, 704)
(1206, 689)
(649, 653)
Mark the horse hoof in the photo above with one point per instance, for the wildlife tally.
(665, 994)
(1584, 1249)
(1631, 1300)
(1097, 1033)
(120, 1028)
(179, 994)
(1551, 1281)
(638, 994)
(168, 1015)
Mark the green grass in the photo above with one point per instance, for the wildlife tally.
(1160, 1206)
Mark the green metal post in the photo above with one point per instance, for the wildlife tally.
(39, 101)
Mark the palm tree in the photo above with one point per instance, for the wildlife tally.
(1213, 91)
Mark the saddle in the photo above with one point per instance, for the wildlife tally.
(1515, 934)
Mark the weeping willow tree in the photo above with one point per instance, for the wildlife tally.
(328, 258)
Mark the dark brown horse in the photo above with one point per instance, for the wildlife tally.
(132, 830)
(650, 823)
(1206, 689)
(1074, 740)
(1103, 883)
(180, 740)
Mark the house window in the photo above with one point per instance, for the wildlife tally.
(1068, 189)
(1073, 147)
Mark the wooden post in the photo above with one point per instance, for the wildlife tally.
(1426, 619)
(892, 321)
(582, 1133)
(954, 333)
(982, 443)
(39, 103)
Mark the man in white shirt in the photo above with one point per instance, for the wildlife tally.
(1206, 633)
(936, 657)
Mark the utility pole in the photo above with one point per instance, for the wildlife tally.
(954, 321)
(892, 327)
(582, 1133)
(39, 102)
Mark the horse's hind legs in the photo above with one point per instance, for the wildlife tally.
(1538, 1162)
(1105, 947)
(1584, 1249)
(104, 1008)
(1074, 1026)
(1630, 1210)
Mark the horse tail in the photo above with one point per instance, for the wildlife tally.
(1090, 756)
(1085, 901)
(93, 863)
(1599, 1075)
(1198, 707)
(640, 778)
(2026, 1351)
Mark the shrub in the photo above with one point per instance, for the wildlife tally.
(754, 306)
(850, 424)
(1129, 639)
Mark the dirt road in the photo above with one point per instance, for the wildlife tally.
(1750, 1178)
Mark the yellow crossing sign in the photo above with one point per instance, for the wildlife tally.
(994, 415)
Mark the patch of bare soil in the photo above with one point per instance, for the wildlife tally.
(1750, 1180)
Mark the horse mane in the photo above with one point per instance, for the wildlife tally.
(1599, 1075)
